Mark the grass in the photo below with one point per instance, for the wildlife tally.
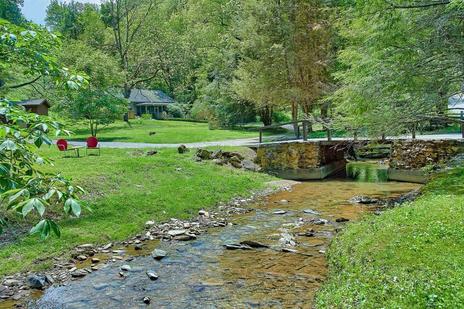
(409, 257)
(125, 190)
(167, 132)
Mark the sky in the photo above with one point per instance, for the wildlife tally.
(34, 10)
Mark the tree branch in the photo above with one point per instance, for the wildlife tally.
(25, 83)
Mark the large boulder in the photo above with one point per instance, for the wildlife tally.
(204, 154)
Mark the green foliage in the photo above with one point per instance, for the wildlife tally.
(409, 257)
(175, 111)
(11, 11)
(398, 63)
(27, 52)
(23, 187)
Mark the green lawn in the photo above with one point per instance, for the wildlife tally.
(167, 132)
(409, 257)
(125, 190)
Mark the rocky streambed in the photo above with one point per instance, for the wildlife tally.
(269, 254)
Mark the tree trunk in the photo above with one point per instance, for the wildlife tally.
(266, 115)
(295, 117)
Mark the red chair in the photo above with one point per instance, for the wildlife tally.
(63, 146)
(92, 144)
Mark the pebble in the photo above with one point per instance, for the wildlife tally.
(310, 212)
(280, 212)
(340, 220)
(288, 250)
(95, 260)
(152, 275)
(176, 232)
(79, 273)
(81, 257)
(11, 282)
(125, 267)
(147, 300)
(158, 254)
(138, 247)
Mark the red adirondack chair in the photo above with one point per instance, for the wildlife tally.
(92, 144)
(63, 145)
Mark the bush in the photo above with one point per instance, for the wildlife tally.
(175, 111)
(146, 116)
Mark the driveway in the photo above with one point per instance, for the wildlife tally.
(250, 142)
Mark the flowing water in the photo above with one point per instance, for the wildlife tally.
(204, 274)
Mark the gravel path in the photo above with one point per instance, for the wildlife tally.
(248, 142)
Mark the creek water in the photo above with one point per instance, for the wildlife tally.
(203, 274)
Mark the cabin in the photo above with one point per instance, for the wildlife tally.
(153, 102)
(37, 106)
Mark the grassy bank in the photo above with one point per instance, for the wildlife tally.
(125, 190)
(167, 132)
(409, 257)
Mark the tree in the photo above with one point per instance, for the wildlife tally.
(24, 188)
(400, 61)
(98, 102)
(126, 20)
(11, 11)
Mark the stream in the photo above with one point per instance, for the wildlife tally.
(204, 274)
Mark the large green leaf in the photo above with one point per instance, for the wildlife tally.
(72, 205)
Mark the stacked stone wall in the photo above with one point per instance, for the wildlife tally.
(417, 154)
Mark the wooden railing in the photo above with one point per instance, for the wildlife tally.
(302, 131)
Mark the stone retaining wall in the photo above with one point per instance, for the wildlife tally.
(414, 155)
(300, 155)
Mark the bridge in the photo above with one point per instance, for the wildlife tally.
(305, 159)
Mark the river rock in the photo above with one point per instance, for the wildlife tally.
(253, 244)
(280, 212)
(126, 267)
(311, 212)
(185, 237)
(250, 166)
(152, 275)
(203, 213)
(319, 221)
(237, 247)
(107, 246)
(147, 300)
(79, 273)
(138, 247)
(37, 281)
(86, 246)
(340, 220)
(81, 257)
(363, 200)
(174, 233)
(204, 154)
(158, 254)
(288, 250)
(182, 149)
(149, 223)
(95, 260)
(235, 162)
(11, 282)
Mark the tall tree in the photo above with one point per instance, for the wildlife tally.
(11, 11)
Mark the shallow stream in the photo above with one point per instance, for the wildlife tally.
(203, 274)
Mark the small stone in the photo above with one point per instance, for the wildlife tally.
(176, 232)
(283, 202)
(158, 254)
(107, 246)
(237, 247)
(149, 223)
(185, 237)
(279, 212)
(203, 213)
(340, 220)
(121, 274)
(319, 221)
(125, 267)
(253, 244)
(138, 247)
(310, 212)
(79, 273)
(37, 281)
(95, 260)
(152, 275)
(182, 149)
(11, 282)
(288, 250)
(147, 300)
(86, 246)
(81, 257)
